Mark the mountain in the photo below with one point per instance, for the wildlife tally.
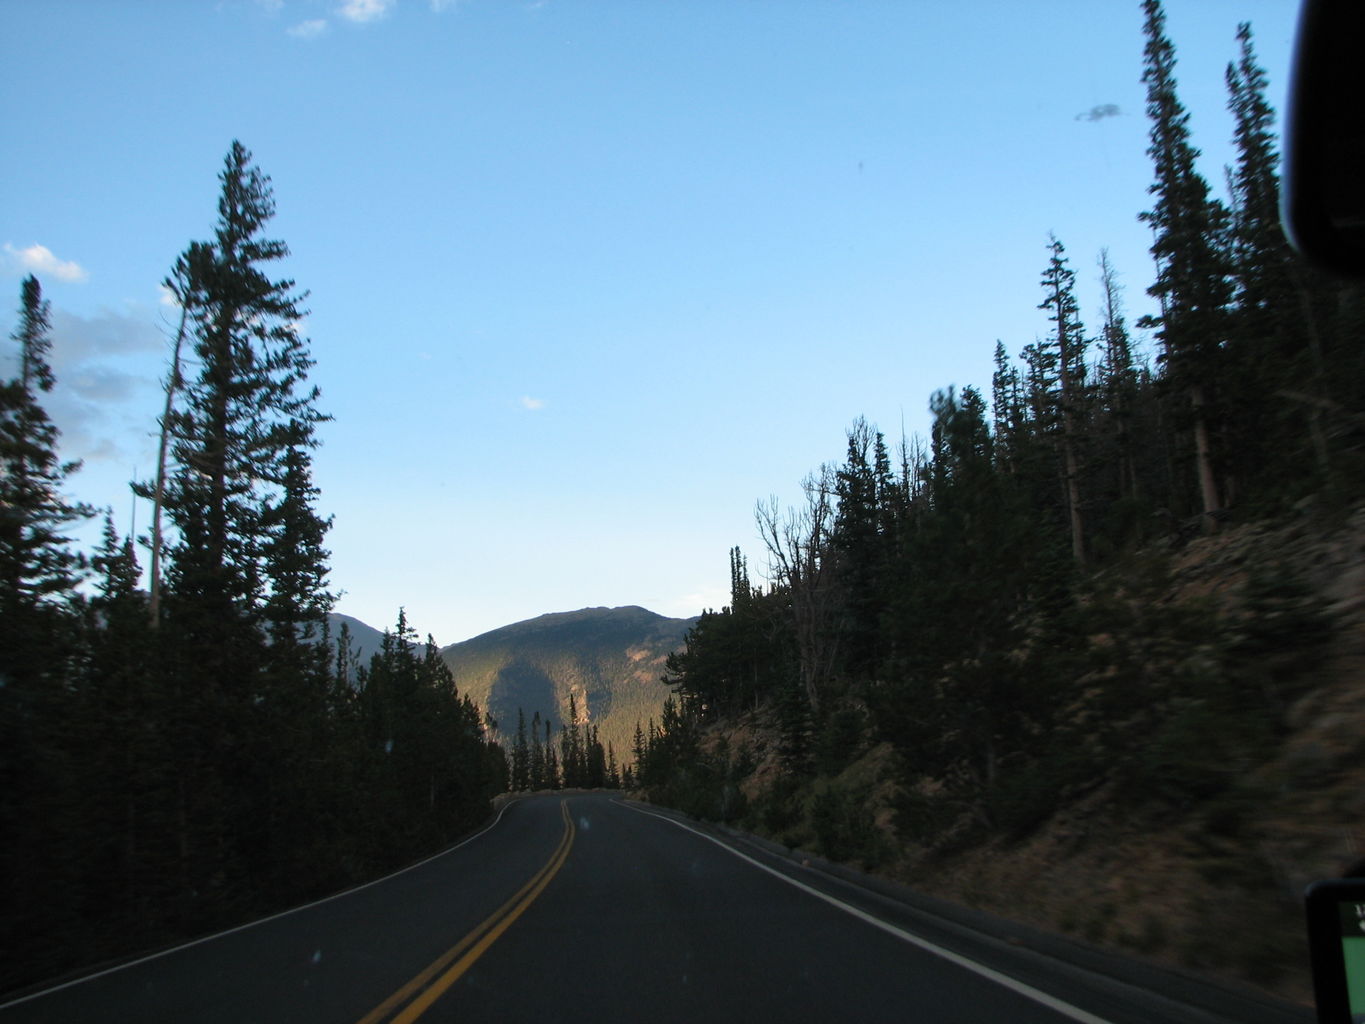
(610, 659)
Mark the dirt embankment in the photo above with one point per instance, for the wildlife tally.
(1211, 886)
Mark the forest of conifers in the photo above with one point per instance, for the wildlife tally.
(183, 755)
(192, 754)
(992, 603)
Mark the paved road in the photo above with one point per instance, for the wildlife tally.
(585, 908)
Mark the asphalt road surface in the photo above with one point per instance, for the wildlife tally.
(589, 908)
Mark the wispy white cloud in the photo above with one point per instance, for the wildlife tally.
(39, 259)
(270, 6)
(108, 369)
(362, 11)
(310, 29)
(444, 5)
(527, 402)
(79, 340)
(1100, 112)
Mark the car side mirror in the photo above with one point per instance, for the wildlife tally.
(1322, 200)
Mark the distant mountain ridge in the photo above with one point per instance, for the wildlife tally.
(610, 659)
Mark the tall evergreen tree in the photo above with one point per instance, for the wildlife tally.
(123, 779)
(521, 755)
(38, 574)
(1118, 378)
(536, 757)
(1068, 337)
(571, 748)
(613, 779)
(1007, 411)
(554, 778)
(1281, 308)
(295, 562)
(37, 565)
(977, 574)
(595, 760)
(185, 284)
(637, 746)
(1260, 251)
(1192, 281)
(862, 537)
(249, 406)
(245, 604)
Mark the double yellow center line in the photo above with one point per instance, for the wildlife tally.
(414, 998)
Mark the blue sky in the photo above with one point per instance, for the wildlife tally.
(588, 277)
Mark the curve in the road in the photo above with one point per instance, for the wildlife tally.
(426, 987)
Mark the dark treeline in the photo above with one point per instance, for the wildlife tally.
(582, 762)
(192, 754)
(987, 601)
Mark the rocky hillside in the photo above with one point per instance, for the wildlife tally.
(610, 659)
(1207, 874)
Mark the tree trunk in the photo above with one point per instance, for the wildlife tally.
(1315, 428)
(154, 573)
(1208, 485)
(1073, 486)
(1073, 492)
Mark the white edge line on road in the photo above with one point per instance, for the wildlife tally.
(1027, 991)
(260, 920)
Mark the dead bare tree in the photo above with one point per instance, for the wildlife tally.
(800, 559)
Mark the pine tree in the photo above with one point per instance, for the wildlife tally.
(37, 566)
(568, 746)
(1260, 251)
(976, 574)
(521, 756)
(294, 561)
(1192, 280)
(861, 538)
(1118, 378)
(249, 409)
(1059, 283)
(38, 576)
(117, 722)
(554, 779)
(245, 603)
(185, 284)
(795, 728)
(430, 766)
(1007, 411)
(1035, 450)
(613, 778)
(595, 767)
(536, 758)
(741, 591)
(637, 747)
(345, 663)
(1281, 307)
